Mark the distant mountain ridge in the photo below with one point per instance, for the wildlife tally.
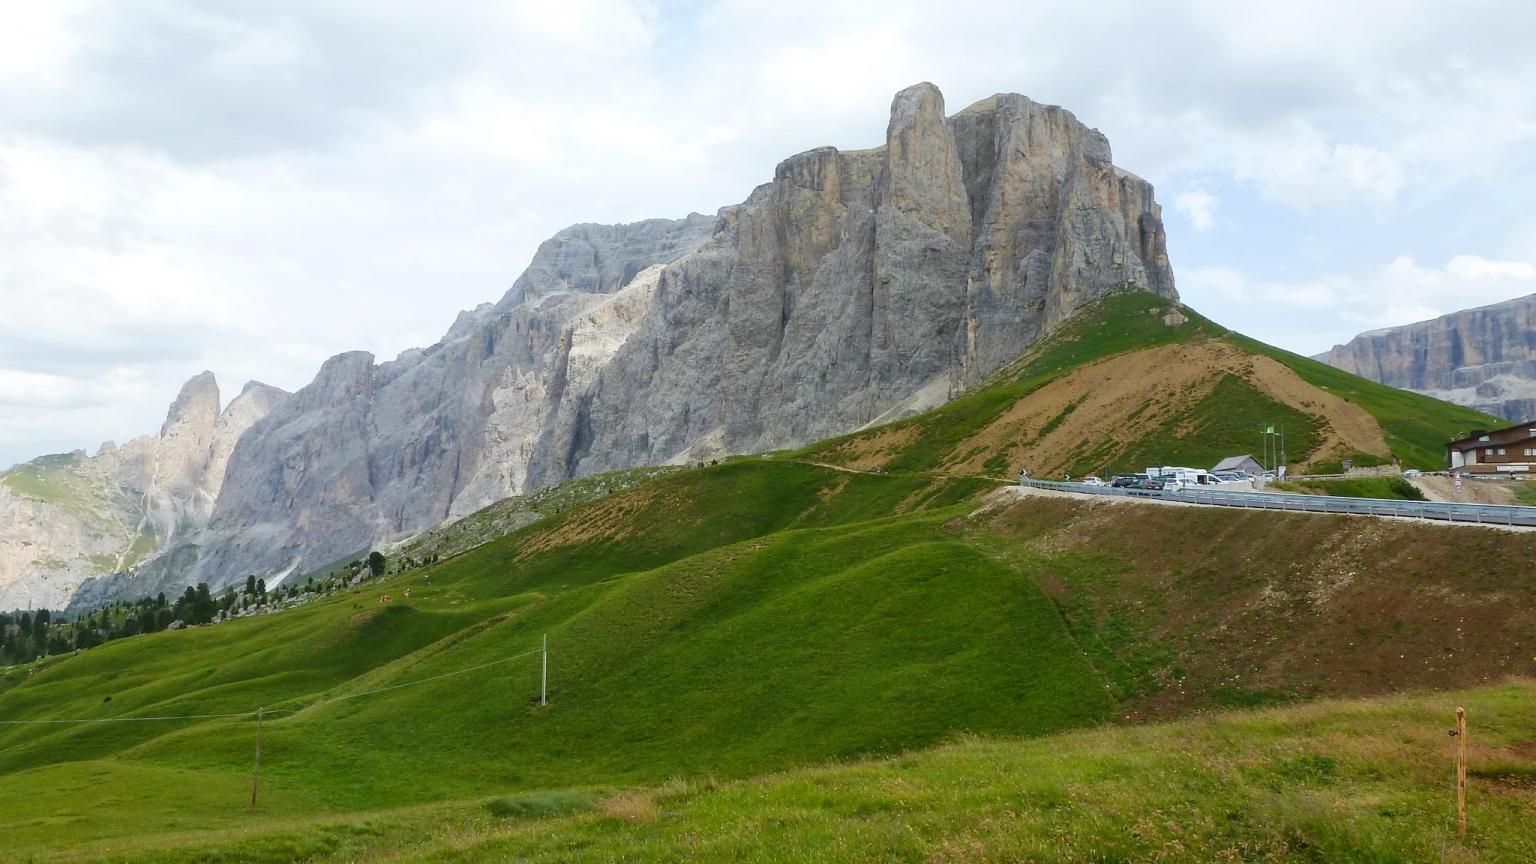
(1484, 358)
(71, 518)
(854, 287)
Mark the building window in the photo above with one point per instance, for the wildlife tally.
(1501, 451)
(1484, 438)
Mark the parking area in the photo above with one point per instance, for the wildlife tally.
(1493, 515)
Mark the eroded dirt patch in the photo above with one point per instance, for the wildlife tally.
(1129, 396)
(872, 450)
(613, 518)
(1471, 491)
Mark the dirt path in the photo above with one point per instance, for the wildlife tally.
(948, 475)
(1471, 492)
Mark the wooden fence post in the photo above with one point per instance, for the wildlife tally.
(256, 768)
(1461, 771)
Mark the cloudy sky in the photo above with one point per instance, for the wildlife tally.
(250, 188)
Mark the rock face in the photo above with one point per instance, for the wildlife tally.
(853, 288)
(66, 520)
(1484, 358)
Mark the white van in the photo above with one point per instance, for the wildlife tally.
(1181, 478)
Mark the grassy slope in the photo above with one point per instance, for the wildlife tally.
(754, 616)
(53, 479)
(774, 618)
(716, 653)
(1415, 426)
(1186, 609)
(1395, 488)
(66, 482)
(509, 514)
(1333, 781)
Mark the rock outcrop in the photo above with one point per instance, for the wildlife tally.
(66, 520)
(1484, 358)
(853, 288)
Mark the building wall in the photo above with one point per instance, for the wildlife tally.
(1515, 446)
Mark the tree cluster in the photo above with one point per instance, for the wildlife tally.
(27, 636)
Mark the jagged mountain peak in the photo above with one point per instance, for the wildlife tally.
(65, 524)
(197, 404)
(850, 286)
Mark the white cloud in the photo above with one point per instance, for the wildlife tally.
(1313, 314)
(1305, 169)
(1199, 206)
(36, 41)
(1232, 285)
(251, 188)
(1406, 291)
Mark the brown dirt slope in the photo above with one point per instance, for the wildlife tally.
(1131, 395)
(1187, 607)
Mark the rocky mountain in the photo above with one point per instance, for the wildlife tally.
(853, 288)
(1484, 358)
(66, 520)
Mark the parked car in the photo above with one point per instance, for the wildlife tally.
(1126, 481)
(1413, 472)
(1091, 480)
(1155, 483)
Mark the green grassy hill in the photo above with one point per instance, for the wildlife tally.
(769, 614)
(1194, 393)
(1363, 780)
(724, 622)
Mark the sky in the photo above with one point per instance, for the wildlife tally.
(251, 188)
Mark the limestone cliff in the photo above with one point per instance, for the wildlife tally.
(68, 519)
(852, 288)
(1484, 358)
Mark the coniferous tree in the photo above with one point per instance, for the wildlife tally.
(376, 563)
(184, 604)
(203, 606)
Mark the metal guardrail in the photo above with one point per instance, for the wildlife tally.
(1481, 514)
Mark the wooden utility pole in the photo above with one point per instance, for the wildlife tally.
(1461, 771)
(544, 674)
(256, 769)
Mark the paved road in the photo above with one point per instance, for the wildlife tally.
(1481, 514)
